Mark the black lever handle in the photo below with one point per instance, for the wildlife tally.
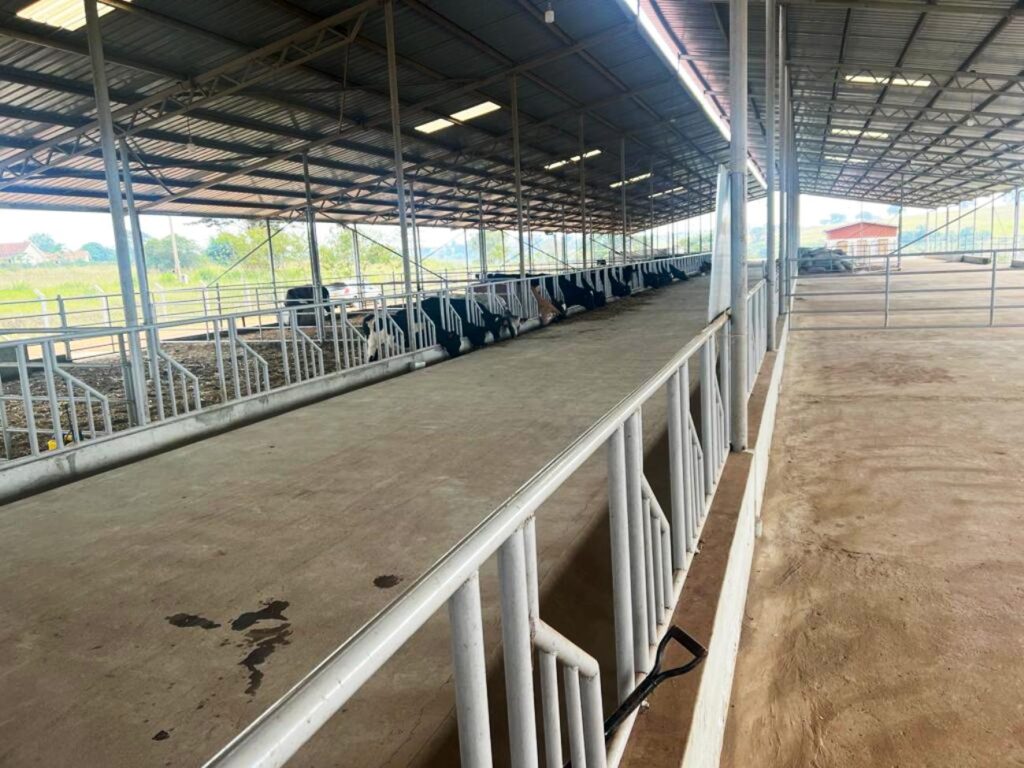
(656, 676)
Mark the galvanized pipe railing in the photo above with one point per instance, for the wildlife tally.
(153, 384)
(651, 554)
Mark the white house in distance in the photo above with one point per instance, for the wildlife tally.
(862, 238)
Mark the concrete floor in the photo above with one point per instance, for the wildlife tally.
(884, 623)
(153, 611)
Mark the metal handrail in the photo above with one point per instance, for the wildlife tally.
(508, 532)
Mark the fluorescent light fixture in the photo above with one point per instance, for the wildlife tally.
(845, 160)
(649, 28)
(878, 80)
(630, 180)
(434, 125)
(461, 116)
(64, 14)
(855, 133)
(573, 159)
(667, 192)
(476, 110)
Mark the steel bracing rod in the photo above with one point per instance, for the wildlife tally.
(921, 142)
(510, 67)
(939, 117)
(895, 160)
(256, 125)
(880, 98)
(979, 49)
(206, 115)
(284, 54)
(840, 54)
(870, 79)
(951, 8)
(616, 82)
(553, 29)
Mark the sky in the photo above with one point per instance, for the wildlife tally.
(73, 229)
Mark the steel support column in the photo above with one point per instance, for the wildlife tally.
(396, 132)
(140, 254)
(482, 239)
(136, 378)
(583, 194)
(772, 305)
(273, 267)
(357, 262)
(517, 169)
(785, 127)
(314, 247)
(739, 340)
(622, 191)
(1016, 223)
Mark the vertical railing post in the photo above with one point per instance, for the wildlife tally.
(622, 603)
(515, 636)
(637, 567)
(470, 675)
(677, 429)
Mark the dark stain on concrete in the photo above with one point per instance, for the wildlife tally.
(386, 581)
(272, 610)
(266, 642)
(191, 620)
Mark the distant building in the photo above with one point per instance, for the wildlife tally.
(21, 254)
(863, 238)
(79, 255)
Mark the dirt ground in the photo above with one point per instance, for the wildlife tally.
(884, 624)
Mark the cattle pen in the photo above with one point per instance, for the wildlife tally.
(549, 435)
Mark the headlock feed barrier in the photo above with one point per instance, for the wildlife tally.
(79, 385)
(652, 548)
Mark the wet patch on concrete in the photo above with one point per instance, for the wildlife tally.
(266, 641)
(262, 641)
(191, 620)
(387, 581)
(272, 610)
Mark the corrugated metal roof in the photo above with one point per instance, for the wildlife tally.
(956, 139)
(240, 154)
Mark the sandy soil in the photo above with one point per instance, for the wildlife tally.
(884, 624)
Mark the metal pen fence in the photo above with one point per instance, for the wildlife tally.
(651, 554)
(143, 375)
(60, 313)
(927, 289)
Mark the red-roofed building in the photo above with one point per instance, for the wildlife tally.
(21, 253)
(862, 238)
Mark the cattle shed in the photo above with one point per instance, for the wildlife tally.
(642, 482)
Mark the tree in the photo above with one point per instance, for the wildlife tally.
(160, 257)
(99, 252)
(45, 243)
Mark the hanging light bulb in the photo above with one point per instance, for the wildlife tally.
(549, 14)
